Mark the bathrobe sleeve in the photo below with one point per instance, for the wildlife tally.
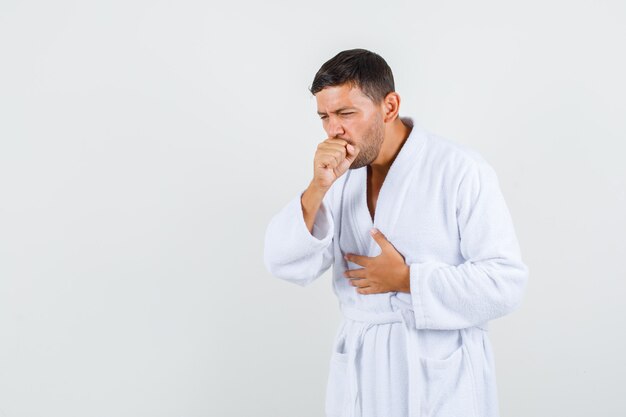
(293, 253)
(491, 281)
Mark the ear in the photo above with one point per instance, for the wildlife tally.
(391, 107)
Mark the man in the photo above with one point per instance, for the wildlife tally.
(443, 259)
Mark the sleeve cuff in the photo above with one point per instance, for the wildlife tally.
(419, 274)
(296, 240)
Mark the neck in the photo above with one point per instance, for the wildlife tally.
(396, 134)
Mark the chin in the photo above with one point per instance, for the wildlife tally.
(355, 166)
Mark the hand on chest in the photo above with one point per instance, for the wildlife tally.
(418, 220)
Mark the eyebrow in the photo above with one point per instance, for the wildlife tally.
(338, 110)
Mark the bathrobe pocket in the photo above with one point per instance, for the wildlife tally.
(337, 386)
(450, 389)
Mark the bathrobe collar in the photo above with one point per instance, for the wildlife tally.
(391, 195)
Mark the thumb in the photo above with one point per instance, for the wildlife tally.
(380, 238)
(352, 152)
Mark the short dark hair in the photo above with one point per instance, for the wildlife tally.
(359, 67)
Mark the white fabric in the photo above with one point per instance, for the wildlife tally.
(427, 353)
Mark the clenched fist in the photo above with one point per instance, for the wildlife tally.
(332, 159)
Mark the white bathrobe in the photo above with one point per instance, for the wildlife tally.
(427, 353)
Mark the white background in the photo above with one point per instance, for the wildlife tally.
(144, 145)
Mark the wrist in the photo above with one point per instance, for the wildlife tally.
(406, 279)
(317, 189)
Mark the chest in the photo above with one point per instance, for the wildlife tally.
(374, 184)
(416, 216)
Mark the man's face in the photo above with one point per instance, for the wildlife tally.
(349, 114)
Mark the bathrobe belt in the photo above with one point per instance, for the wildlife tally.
(371, 319)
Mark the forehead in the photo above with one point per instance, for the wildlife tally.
(332, 99)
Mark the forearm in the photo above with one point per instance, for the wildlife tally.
(311, 201)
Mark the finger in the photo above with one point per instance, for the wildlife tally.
(327, 151)
(360, 283)
(329, 160)
(338, 141)
(341, 153)
(357, 259)
(332, 147)
(365, 290)
(338, 150)
(338, 153)
(348, 151)
(354, 273)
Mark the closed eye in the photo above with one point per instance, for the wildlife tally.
(341, 114)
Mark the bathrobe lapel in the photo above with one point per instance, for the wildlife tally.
(390, 198)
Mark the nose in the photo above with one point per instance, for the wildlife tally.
(334, 128)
